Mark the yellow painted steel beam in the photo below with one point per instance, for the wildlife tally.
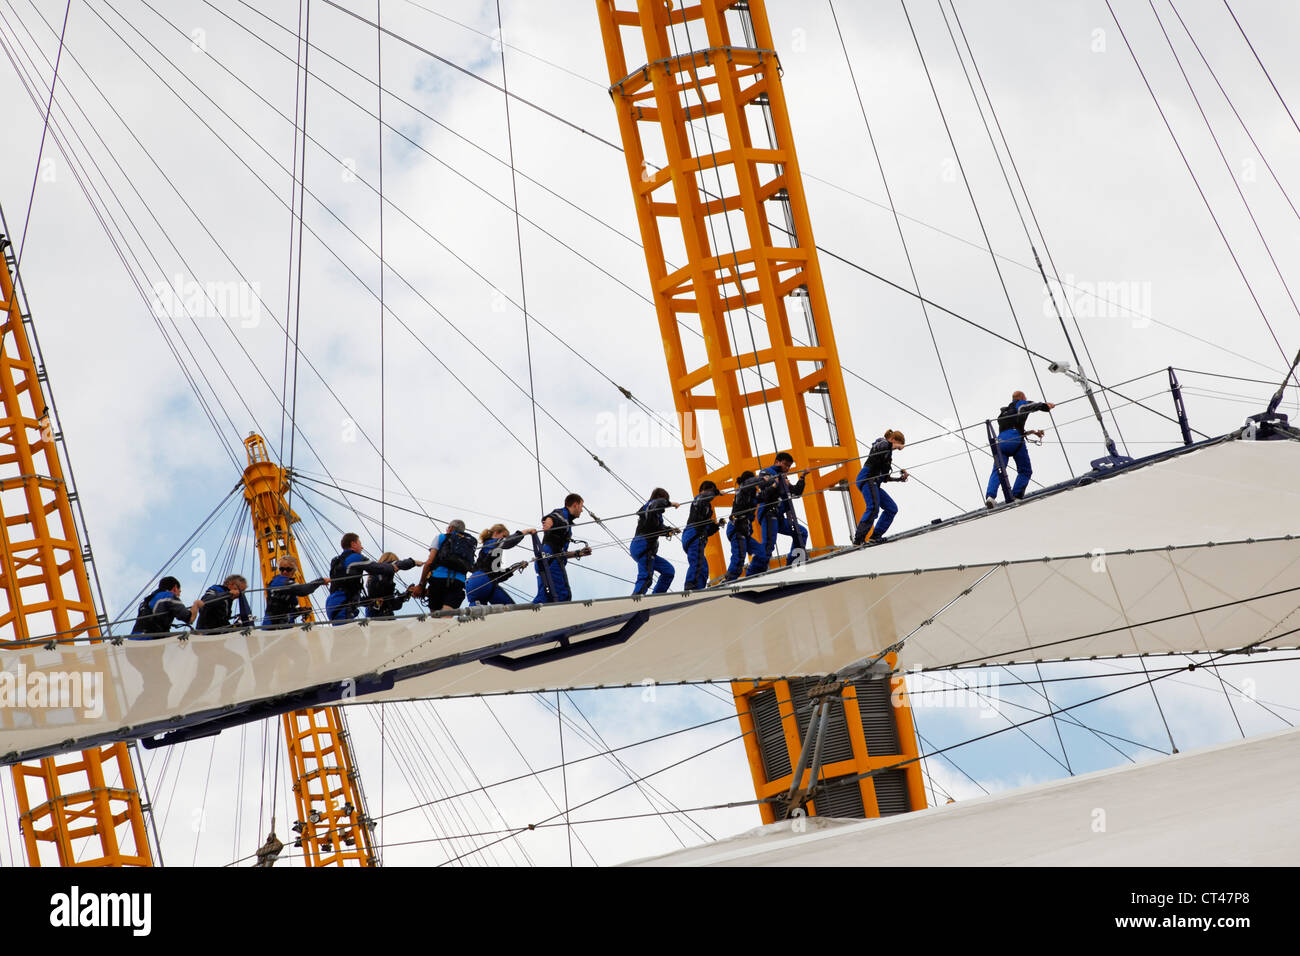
(333, 827)
(712, 201)
(74, 809)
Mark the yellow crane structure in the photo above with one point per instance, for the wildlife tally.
(74, 809)
(332, 826)
(699, 82)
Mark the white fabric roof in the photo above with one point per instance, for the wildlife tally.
(1231, 805)
(1019, 584)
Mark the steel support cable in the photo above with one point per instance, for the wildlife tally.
(297, 299)
(621, 818)
(421, 786)
(726, 217)
(578, 760)
(632, 239)
(470, 73)
(840, 781)
(1227, 99)
(293, 205)
(437, 770)
(983, 328)
(1216, 666)
(902, 239)
(597, 741)
(1140, 624)
(353, 272)
(615, 146)
(415, 144)
(279, 199)
(1197, 183)
(1011, 725)
(641, 295)
(383, 421)
(523, 282)
(45, 128)
(1110, 448)
(575, 126)
(464, 759)
(1227, 165)
(68, 122)
(1107, 659)
(564, 777)
(179, 334)
(1073, 721)
(95, 204)
(536, 776)
(470, 814)
(167, 236)
(930, 777)
(975, 207)
(619, 789)
(1280, 98)
(203, 804)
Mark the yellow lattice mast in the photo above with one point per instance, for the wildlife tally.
(74, 809)
(332, 823)
(701, 82)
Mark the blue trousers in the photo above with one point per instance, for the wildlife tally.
(697, 563)
(338, 608)
(647, 563)
(480, 590)
(558, 576)
(1012, 445)
(878, 503)
(742, 543)
(772, 521)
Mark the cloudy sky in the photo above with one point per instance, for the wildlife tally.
(162, 302)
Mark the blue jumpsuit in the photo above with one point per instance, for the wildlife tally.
(776, 516)
(554, 542)
(874, 473)
(701, 525)
(346, 585)
(1011, 443)
(160, 609)
(740, 529)
(484, 585)
(645, 548)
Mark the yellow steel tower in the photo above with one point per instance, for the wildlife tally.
(332, 822)
(697, 89)
(82, 809)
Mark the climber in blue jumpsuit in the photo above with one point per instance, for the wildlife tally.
(701, 524)
(484, 585)
(383, 599)
(221, 601)
(347, 583)
(776, 512)
(650, 530)
(740, 529)
(282, 594)
(557, 532)
(163, 605)
(875, 472)
(1011, 443)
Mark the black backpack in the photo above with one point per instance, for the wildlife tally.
(1007, 417)
(146, 620)
(456, 553)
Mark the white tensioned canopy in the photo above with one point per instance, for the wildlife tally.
(1191, 553)
(1182, 810)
